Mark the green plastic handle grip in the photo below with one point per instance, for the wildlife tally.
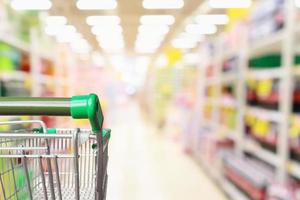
(78, 107)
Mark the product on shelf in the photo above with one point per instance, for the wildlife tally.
(228, 110)
(296, 96)
(266, 61)
(272, 60)
(294, 137)
(251, 92)
(286, 191)
(208, 111)
(263, 93)
(268, 93)
(9, 58)
(250, 176)
(230, 65)
(47, 67)
(14, 88)
(263, 131)
(267, 17)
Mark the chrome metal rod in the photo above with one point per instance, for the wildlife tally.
(25, 166)
(76, 165)
(2, 186)
(14, 178)
(50, 176)
(57, 179)
(35, 106)
(37, 156)
(43, 179)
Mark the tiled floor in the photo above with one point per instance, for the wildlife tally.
(146, 166)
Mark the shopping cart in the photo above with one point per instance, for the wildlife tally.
(52, 163)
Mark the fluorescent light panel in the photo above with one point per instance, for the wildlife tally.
(212, 19)
(184, 43)
(201, 29)
(152, 29)
(157, 19)
(230, 4)
(61, 29)
(103, 20)
(100, 30)
(196, 37)
(56, 20)
(163, 4)
(31, 4)
(96, 4)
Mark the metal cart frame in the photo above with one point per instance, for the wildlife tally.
(56, 163)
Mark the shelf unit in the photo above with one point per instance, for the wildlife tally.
(282, 41)
(41, 83)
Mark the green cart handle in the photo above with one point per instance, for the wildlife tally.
(78, 107)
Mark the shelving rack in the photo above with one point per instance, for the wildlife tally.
(282, 41)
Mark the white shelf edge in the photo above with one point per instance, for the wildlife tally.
(14, 42)
(263, 113)
(265, 155)
(294, 168)
(263, 45)
(265, 73)
(229, 77)
(14, 75)
(220, 180)
(232, 191)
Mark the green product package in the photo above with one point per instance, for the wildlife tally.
(270, 61)
(9, 57)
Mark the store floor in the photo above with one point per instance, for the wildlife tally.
(146, 166)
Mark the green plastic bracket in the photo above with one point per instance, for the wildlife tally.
(105, 135)
(49, 130)
(88, 107)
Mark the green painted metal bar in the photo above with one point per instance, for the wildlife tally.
(79, 107)
(35, 106)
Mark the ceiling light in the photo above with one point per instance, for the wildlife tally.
(201, 29)
(103, 20)
(230, 4)
(163, 4)
(31, 4)
(98, 59)
(160, 29)
(59, 29)
(81, 46)
(297, 2)
(195, 37)
(70, 37)
(150, 36)
(212, 19)
(98, 30)
(112, 47)
(145, 51)
(184, 43)
(96, 4)
(191, 58)
(56, 20)
(157, 19)
(149, 39)
(51, 30)
(147, 46)
(161, 61)
(110, 39)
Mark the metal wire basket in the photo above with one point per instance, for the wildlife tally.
(50, 163)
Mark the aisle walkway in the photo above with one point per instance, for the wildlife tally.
(145, 166)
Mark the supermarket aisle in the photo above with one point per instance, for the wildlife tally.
(144, 166)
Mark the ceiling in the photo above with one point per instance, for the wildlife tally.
(129, 11)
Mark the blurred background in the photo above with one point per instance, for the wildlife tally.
(203, 96)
